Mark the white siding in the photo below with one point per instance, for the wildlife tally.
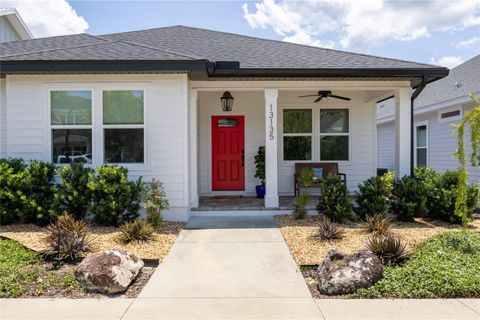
(249, 104)
(7, 33)
(3, 118)
(361, 165)
(442, 143)
(166, 123)
(386, 145)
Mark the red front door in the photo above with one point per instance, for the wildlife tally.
(228, 153)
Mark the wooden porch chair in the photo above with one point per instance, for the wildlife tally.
(328, 168)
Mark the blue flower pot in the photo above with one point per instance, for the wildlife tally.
(260, 191)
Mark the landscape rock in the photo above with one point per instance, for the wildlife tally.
(109, 271)
(341, 273)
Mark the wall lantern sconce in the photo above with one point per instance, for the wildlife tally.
(227, 101)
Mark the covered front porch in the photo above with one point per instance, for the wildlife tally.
(293, 129)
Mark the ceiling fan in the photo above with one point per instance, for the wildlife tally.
(325, 94)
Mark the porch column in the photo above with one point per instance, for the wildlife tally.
(402, 131)
(192, 126)
(271, 142)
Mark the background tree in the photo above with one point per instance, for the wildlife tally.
(471, 119)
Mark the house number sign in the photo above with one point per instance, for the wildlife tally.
(270, 127)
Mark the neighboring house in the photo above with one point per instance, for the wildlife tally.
(12, 27)
(151, 101)
(440, 105)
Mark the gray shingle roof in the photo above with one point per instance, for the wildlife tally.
(466, 76)
(186, 43)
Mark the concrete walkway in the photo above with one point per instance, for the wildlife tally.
(232, 268)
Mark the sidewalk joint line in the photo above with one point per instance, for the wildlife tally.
(475, 311)
(128, 308)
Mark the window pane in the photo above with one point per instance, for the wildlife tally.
(297, 121)
(334, 148)
(422, 136)
(422, 157)
(123, 107)
(72, 145)
(124, 145)
(333, 120)
(297, 148)
(71, 107)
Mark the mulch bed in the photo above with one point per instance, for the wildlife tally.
(307, 248)
(32, 237)
(152, 252)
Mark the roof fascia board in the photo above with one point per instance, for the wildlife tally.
(101, 66)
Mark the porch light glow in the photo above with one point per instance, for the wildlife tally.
(227, 101)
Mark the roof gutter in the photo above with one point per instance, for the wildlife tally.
(415, 94)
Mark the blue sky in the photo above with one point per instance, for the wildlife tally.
(440, 31)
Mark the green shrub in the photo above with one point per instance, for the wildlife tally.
(300, 206)
(442, 190)
(68, 238)
(154, 201)
(260, 165)
(27, 192)
(137, 230)
(12, 194)
(16, 164)
(408, 198)
(73, 195)
(39, 193)
(334, 202)
(372, 197)
(115, 199)
(446, 266)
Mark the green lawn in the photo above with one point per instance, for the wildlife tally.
(447, 266)
(23, 273)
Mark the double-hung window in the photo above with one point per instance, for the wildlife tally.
(334, 135)
(71, 125)
(297, 134)
(123, 126)
(421, 144)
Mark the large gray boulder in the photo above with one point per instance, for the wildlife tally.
(109, 271)
(340, 273)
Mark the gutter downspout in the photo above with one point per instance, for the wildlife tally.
(415, 94)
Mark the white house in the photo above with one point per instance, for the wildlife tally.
(12, 27)
(440, 105)
(151, 101)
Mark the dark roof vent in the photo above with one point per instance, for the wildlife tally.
(457, 84)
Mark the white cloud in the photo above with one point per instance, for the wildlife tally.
(48, 17)
(475, 41)
(449, 61)
(304, 38)
(362, 23)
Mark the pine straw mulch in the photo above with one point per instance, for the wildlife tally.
(33, 237)
(307, 249)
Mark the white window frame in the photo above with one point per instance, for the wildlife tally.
(348, 134)
(52, 127)
(311, 135)
(102, 127)
(419, 124)
(450, 109)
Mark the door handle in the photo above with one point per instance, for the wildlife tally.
(243, 157)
